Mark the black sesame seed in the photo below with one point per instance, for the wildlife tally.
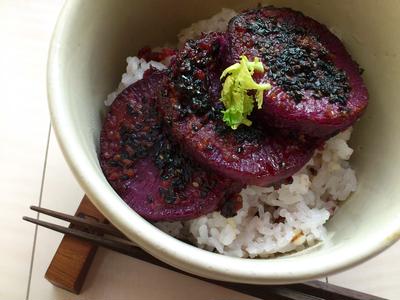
(131, 110)
(194, 89)
(149, 199)
(297, 61)
(203, 194)
(124, 177)
(228, 209)
(114, 163)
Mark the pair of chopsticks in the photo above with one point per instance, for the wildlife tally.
(107, 236)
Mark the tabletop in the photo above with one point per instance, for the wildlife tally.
(34, 172)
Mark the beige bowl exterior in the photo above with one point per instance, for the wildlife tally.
(86, 61)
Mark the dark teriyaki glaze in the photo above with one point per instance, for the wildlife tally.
(317, 89)
(149, 171)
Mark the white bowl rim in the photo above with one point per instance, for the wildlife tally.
(165, 247)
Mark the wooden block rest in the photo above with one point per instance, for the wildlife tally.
(74, 256)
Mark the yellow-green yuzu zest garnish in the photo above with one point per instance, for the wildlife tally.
(235, 92)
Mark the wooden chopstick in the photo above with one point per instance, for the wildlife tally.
(118, 245)
(109, 237)
(92, 224)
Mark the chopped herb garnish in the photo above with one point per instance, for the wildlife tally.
(235, 95)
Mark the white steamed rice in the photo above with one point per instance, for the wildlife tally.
(271, 221)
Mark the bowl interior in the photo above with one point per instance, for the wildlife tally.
(88, 53)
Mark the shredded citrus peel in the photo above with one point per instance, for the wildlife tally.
(235, 92)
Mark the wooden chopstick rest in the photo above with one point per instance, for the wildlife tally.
(74, 256)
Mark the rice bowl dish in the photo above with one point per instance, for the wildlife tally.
(87, 58)
(272, 220)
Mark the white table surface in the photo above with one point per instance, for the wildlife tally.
(34, 172)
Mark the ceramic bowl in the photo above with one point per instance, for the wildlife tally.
(87, 57)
